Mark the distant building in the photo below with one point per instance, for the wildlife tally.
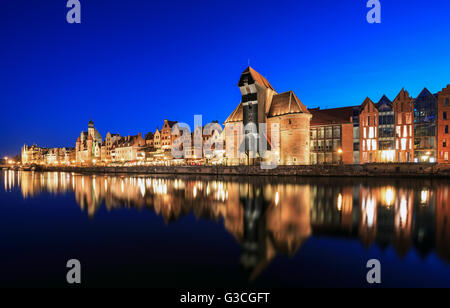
(127, 149)
(88, 146)
(150, 139)
(157, 139)
(332, 136)
(386, 130)
(356, 135)
(443, 102)
(368, 121)
(425, 127)
(59, 156)
(33, 155)
(166, 135)
(54, 156)
(403, 106)
(107, 147)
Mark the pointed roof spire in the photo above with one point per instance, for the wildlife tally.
(402, 94)
(366, 101)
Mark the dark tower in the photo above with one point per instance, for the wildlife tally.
(257, 94)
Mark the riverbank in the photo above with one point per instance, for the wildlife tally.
(368, 170)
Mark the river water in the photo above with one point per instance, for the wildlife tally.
(132, 230)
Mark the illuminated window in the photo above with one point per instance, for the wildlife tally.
(374, 145)
(405, 132)
(403, 144)
(408, 118)
(371, 134)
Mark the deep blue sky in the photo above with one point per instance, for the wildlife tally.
(133, 63)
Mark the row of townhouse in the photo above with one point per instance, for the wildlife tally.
(34, 155)
(404, 130)
(155, 148)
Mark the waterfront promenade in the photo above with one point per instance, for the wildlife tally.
(367, 170)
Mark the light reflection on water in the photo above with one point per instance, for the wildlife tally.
(269, 217)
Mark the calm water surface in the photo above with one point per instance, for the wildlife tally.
(222, 232)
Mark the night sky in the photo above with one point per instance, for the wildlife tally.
(131, 64)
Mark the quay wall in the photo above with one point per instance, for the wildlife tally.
(367, 170)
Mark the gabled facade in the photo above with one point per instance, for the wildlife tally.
(443, 101)
(403, 106)
(425, 127)
(386, 130)
(356, 110)
(127, 148)
(386, 127)
(149, 139)
(368, 121)
(33, 155)
(157, 139)
(59, 156)
(166, 135)
(107, 147)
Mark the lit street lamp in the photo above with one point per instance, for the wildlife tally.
(340, 155)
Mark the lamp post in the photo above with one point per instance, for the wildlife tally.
(340, 156)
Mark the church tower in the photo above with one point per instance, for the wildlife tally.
(91, 129)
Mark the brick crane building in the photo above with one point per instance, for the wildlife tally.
(285, 116)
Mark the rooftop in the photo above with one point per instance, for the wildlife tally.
(286, 103)
(341, 115)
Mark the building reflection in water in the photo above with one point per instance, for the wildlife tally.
(269, 218)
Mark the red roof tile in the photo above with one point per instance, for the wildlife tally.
(286, 103)
(331, 116)
(237, 115)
